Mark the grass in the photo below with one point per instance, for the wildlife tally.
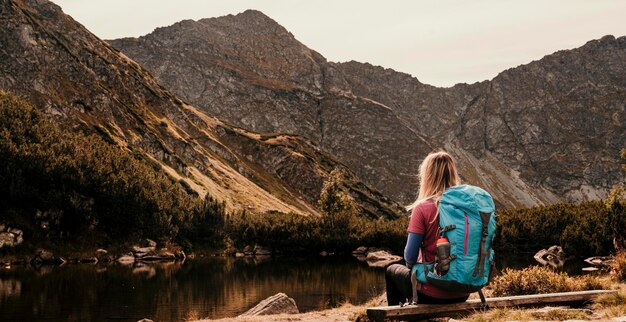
(619, 266)
(541, 280)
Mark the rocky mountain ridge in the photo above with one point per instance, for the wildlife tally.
(539, 133)
(85, 84)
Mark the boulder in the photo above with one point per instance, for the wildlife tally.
(149, 243)
(275, 304)
(103, 256)
(45, 257)
(126, 260)
(15, 231)
(553, 256)
(145, 320)
(143, 250)
(7, 239)
(381, 258)
(361, 251)
(601, 260)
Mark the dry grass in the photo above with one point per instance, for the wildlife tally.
(619, 266)
(541, 280)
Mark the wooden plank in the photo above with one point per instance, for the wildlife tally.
(423, 311)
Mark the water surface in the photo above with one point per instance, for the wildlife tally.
(211, 287)
(200, 288)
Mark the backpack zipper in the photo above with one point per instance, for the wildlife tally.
(467, 228)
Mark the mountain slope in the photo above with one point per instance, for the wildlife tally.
(86, 85)
(540, 133)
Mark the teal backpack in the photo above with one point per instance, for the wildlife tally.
(467, 219)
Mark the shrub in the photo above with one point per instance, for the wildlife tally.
(338, 212)
(538, 280)
(581, 229)
(82, 184)
(619, 266)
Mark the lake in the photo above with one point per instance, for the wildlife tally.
(211, 287)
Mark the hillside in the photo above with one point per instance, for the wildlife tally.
(87, 86)
(537, 134)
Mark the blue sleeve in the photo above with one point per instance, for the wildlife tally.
(411, 250)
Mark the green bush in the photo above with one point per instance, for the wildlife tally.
(82, 185)
(581, 229)
(294, 233)
(540, 280)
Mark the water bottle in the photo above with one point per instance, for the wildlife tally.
(443, 255)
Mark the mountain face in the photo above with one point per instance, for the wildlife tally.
(540, 133)
(86, 85)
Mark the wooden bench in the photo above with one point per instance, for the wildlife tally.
(425, 311)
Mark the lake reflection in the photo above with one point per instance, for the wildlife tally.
(211, 287)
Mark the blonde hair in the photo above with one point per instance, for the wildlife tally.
(436, 173)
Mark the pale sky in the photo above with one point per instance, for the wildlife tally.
(439, 42)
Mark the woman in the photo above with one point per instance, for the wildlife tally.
(436, 173)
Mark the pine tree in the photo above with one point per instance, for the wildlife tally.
(338, 211)
(617, 211)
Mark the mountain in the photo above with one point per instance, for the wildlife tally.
(88, 86)
(536, 134)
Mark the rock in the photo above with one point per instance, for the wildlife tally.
(2, 227)
(352, 90)
(45, 257)
(238, 254)
(260, 250)
(15, 231)
(143, 250)
(381, 258)
(126, 260)
(553, 256)
(601, 260)
(7, 239)
(275, 304)
(323, 253)
(590, 269)
(149, 243)
(103, 256)
(145, 320)
(619, 319)
(360, 251)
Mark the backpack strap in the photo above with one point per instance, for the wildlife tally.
(480, 262)
(415, 284)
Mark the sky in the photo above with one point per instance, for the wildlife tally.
(440, 42)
